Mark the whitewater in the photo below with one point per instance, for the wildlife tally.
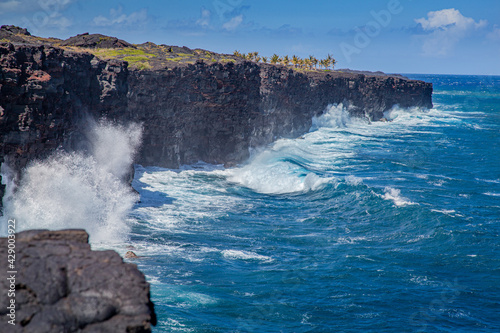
(356, 226)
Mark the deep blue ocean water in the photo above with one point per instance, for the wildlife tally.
(354, 227)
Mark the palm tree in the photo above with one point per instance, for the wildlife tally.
(295, 60)
(331, 61)
(257, 59)
(285, 60)
(323, 63)
(302, 63)
(264, 60)
(313, 61)
(237, 53)
(308, 63)
(274, 59)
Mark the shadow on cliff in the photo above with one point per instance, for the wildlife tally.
(148, 198)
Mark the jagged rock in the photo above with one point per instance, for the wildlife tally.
(131, 255)
(14, 30)
(95, 40)
(63, 286)
(7, 30)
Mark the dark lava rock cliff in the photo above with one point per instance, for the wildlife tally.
(63, 286)
(213, 111)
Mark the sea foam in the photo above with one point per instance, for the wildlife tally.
(79, 189)
(395, 196)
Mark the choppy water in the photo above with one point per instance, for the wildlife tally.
(354, 227)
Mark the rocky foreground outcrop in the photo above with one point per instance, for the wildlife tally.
(60, 285)
(215, 109)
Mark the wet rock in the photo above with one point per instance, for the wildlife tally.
(131, 255)
(63, 286)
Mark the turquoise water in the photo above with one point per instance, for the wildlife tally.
(354, 227)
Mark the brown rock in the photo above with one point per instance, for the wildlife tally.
(130, 255)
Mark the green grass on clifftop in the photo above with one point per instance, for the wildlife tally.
(146, 56)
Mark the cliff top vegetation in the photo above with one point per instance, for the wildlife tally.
(150, 56)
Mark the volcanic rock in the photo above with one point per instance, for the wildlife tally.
(63, 286)
(95, 40)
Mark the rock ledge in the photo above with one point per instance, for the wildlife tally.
(61, 285)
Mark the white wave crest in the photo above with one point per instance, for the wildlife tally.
(277, 180)
(394, 195)
(353, 180)
(76, 190)
(244, 255)
(274, 172)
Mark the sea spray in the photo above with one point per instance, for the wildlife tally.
(113, 147)
(335, 116)
(284, 167)
(317, 158)
(80, 189)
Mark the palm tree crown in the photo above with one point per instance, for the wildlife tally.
(297, 62)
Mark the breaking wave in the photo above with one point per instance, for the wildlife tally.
(85, 190)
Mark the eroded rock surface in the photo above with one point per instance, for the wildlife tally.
(63, 286)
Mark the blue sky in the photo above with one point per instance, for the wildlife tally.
(394, 36)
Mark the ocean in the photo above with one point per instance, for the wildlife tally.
(389, 226)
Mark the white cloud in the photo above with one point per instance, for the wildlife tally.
(448, 19)
(446, 28)
(204, 21)
(233, 23)
(117, 17)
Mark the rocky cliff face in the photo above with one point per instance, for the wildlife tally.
(190, 112)
(215, 113)
(60, 285)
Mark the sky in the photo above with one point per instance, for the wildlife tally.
(393, 36)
